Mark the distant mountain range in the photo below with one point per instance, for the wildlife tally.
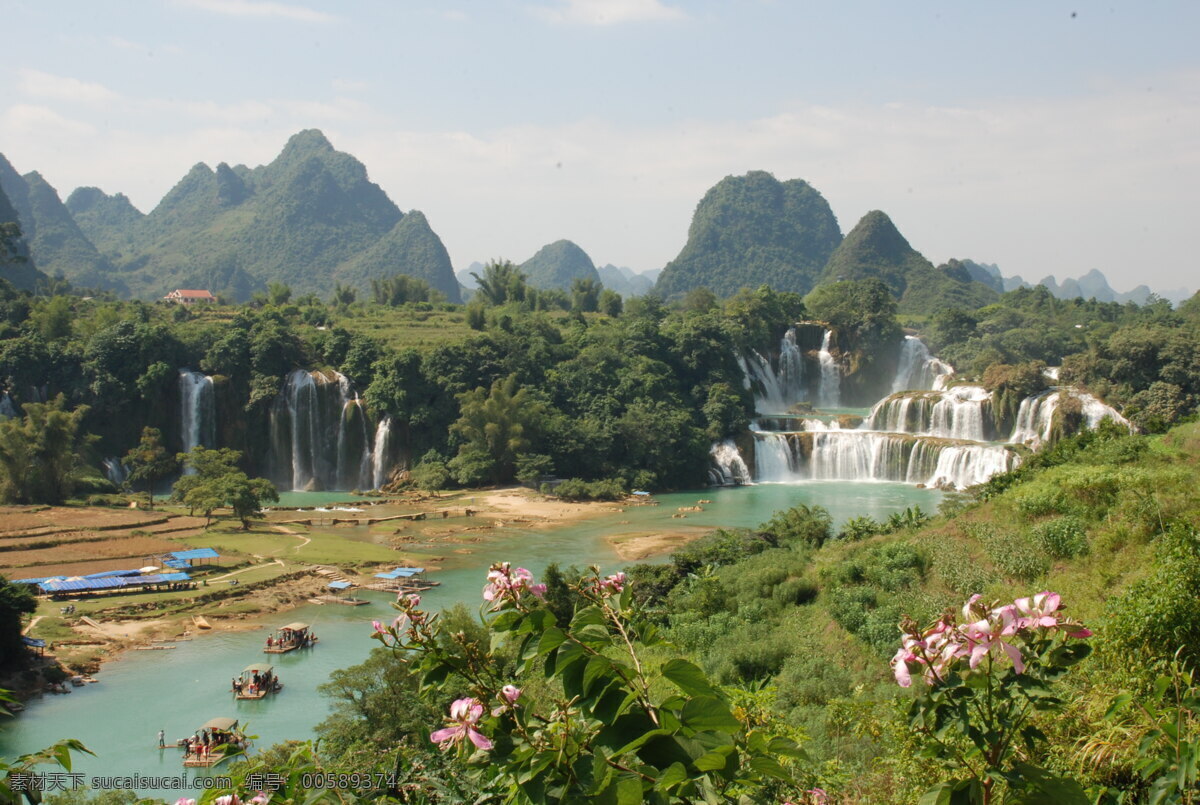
(753, 230)
(311, 219)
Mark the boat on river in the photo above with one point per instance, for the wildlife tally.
(289, 638)
(214, 743)
(256, 681)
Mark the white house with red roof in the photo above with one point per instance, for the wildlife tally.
(181, 296)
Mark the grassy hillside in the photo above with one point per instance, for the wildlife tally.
(1103, 519)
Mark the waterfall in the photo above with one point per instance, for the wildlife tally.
(1035, 419)
(917, 370)
(380, 466)
(791, 368)
(319, 439)
(830, 395)
(1035, 416)
(197, 410)
(960, 412)
(114, 470)
(728, 467)
(872, 456)
(7, 409)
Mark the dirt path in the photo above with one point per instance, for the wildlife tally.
(245, 569)
(32, 624)
(282, 529)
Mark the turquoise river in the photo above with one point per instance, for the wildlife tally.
(178, 690)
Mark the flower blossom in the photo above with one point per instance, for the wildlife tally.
(185, 801)
(504, 583)
(508, 696)
(464, 715)
(261, 798)
(228, 799)
(613, 584)
(988, 633)
(983, 630)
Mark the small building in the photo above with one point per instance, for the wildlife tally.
(181, 296)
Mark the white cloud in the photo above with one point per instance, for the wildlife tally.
(23, 121)
(45, 86)
(258, 8)
(608, 12)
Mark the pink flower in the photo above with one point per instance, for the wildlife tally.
(507, 584)
(378, 627)
(261, 798)
(185, 801)
(613, 584)
(985, 635)
(228, 799)
(1039, 610)
(900, 667)
(464, 715)
(410, 601)
(510, 693)
(818, 796)
(1080, 632)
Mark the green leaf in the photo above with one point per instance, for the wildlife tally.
(688, 678)
(954, 792)
(675, 774)
(708, 713)
(598, 667)
(1119, 703)
(629, 790)
(1042, 787)
(765, 764)
(551, 639)
(711, 761)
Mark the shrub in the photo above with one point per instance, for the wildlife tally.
(860, 528)
(1015, 556)
(959, 571)
(1062, 538)
(795, 592)
(577, 489)
(806, 524)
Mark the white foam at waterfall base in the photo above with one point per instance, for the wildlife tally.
(956, 413)
(114, 470)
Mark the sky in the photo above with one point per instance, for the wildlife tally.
(1049, 138)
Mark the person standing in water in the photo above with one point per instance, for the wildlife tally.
(162, 739)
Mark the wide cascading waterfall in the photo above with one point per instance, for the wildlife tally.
(870, 456)
(319, 437)
(960, 412)
(197, 410)
(830, 395)
(917, 370)
(380, 460)
(728, 467)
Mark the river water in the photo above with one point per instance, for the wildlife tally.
(179, 689)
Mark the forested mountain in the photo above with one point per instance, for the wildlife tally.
(56, 243)
(753, 230)
(875, 249)
(15, 263)
(309, 219)
(625, 281)
(109, 222)
(557, 265)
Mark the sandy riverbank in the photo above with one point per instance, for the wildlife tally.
(116, 633)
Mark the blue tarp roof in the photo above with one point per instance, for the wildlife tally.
(38, 580)
(198, 553)
(59, 585)
(33, 641)
(110, 573)
(339, 585)
(179, 564)
(400, 573)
